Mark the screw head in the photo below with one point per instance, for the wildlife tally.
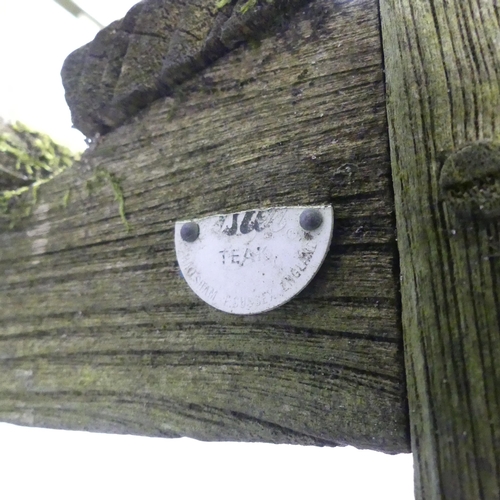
(310, 219)
(190, 231)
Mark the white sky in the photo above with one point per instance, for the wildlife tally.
(35, 37)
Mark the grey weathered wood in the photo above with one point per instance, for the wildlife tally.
(156, 46)
(442, 69)
(97, 329)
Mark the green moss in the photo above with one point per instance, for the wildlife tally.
(17, 203)
(249, 4)
(66, 198)
(100, 179)
(27, 160)
(34, 190)
(27, 156)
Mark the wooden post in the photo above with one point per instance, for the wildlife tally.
(98, 330)
(442, 68)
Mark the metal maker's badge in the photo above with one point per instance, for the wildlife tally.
(253, 261)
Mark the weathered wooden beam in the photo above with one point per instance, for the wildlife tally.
(99, 331)
(155, 47)
(442, 67)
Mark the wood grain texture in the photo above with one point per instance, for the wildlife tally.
(156, 46)
(97, 329)
(442, 69)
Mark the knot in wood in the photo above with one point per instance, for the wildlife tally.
(470, 181)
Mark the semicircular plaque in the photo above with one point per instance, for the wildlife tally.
(253, 261)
